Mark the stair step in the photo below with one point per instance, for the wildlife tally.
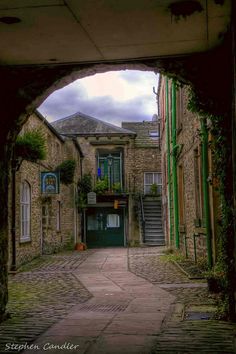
(155, 243)
(155, 236)
(153, 226)
(152, 210)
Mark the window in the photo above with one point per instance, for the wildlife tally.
(25, 205)
(58, 216)
(113, 220)
(110, 166)
(95, 222)
(151, 178)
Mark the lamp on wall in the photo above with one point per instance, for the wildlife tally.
(109, 160)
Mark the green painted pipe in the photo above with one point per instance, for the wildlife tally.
(205, 189)
(168, 158)
(174, 164)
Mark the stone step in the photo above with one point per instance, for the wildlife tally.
(154, 237)
(152, 210)
(152, 205)
(152, 218)
(154, 243)
(154, 215)
(153, 225)
(154, 231)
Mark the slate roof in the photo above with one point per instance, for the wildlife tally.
(143, 129)
(80, 124)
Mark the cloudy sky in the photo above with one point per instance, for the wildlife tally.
(113, 97)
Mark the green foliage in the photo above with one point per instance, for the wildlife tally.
(85, 184)
(101, 185)
(154, 189)
(220, 147)
(172, 256)
(84, 187)
(67, 171)
(116, 187)
(31, 146)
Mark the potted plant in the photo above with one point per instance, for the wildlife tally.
(154, 189)
(116, 187)
(80, 246)
(101, 186)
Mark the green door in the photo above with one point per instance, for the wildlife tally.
(105, 227)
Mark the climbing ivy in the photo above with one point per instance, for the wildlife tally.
(67, 170)
(221, 154)
(31, 146)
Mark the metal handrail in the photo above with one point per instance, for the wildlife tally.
(142, 216)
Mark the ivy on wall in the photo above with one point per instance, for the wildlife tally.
(31, 146)
(67, 171)
(220, 145)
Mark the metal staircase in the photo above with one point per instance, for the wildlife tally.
(153, 230)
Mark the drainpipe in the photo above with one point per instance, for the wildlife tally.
(174, 164)
(168, 158)
(205, 189)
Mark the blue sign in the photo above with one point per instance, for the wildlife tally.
(50, 182)
(99, 172)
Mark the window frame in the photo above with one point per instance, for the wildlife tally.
(25, 212)
(153, 181)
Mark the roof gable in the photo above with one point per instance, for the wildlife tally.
(81, 124)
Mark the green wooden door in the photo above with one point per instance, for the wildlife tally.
(105, 227)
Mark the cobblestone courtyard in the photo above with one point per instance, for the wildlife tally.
(45, 290)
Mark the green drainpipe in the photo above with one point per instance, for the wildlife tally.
(168, 158)
(204, 151)
(174, 164)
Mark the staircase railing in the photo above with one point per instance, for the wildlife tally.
(143, 222)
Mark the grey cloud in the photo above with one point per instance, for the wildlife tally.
(105, 107)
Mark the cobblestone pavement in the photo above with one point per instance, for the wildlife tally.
(40, 295)
(46, 290)
(181, 334)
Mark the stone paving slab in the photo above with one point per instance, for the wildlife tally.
(41, 297)
(119, 293)
(141, 312)
(179, 335)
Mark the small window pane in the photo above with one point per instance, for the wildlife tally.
(113, 220)
(148, 178)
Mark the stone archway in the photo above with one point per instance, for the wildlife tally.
(26, 87)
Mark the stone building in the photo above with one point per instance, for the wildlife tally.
(189, 198)
(125, 162)
(42, 222)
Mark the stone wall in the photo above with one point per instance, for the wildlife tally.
(143, 154)
(46, 236)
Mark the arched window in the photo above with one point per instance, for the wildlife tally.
(25, 204)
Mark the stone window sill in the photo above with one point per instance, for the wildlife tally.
(25, 240)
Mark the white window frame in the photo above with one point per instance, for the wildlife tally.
(113, 221)
(25, 212)
(147, 186)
